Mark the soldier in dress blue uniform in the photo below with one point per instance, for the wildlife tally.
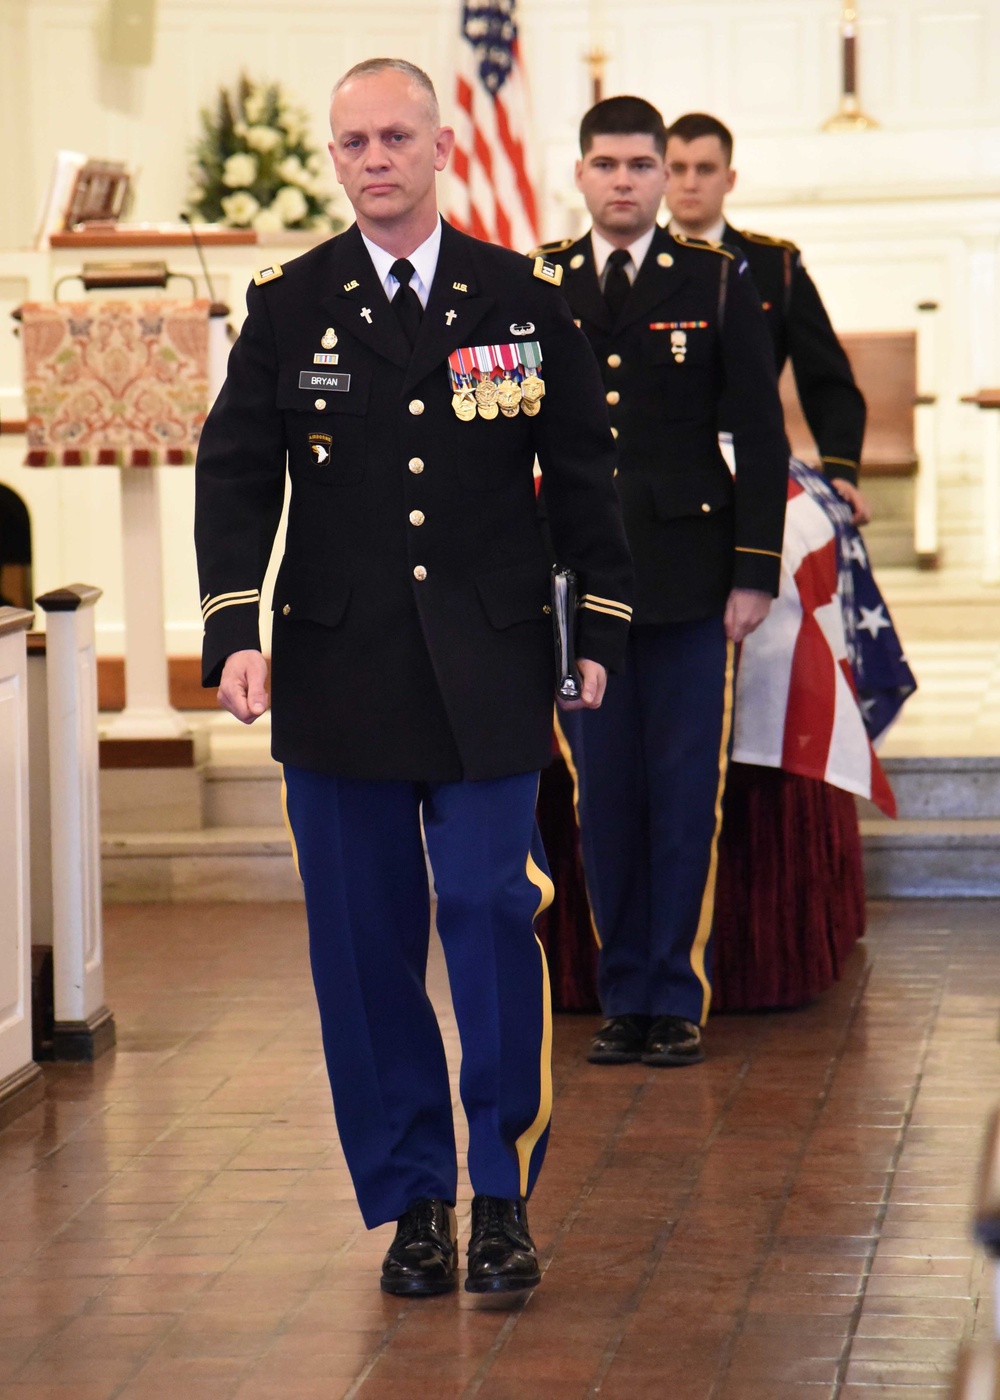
(699, 176)
(409, 375)
(676, 325)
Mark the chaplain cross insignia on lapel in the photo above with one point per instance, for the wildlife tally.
(449, 316)
(366, 313)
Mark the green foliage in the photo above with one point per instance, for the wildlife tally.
(253, 165)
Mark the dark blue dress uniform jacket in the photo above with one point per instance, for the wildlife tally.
(691, 329)
(411, 636)
(832, 403)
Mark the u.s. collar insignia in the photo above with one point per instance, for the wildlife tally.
(319, 445)
(527, 329)
(548, 271)
(459, 287)
(349, 286)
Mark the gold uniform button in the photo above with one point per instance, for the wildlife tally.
(706, 507)
(420, 573)
(416, 465)
(416, 407)
(286, 609)
(320, 403)
(615, 361)
(614, 432)
(547, 609)
(416, 517)
(612, 397)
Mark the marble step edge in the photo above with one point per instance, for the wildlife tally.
(970, 833)
(209, 841)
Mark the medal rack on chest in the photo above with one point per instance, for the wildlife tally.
(488, 380)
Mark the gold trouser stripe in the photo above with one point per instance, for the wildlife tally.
(288, 825)
(708, 894)
(528, 1140)
(611, 602)
(567, 754)
(611, 612)
(771, 553)
(232, 603)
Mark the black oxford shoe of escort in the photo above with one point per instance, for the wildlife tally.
(673, 1041)
(502, 1256)
(422, 1259)
(620, 1040)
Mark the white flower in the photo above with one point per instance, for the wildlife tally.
(268, 220)
(322, 222)
(255, 105)
(314, 162)
(293, 172)
(291, 204)
(263, 138)
(240, 129)
(239, 170)
(240, 208)
(293, 127)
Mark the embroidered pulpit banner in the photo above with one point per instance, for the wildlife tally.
(115, 383)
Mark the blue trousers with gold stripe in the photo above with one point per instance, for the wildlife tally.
(361, 859)
(650, 766)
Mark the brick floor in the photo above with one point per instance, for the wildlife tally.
(788, 1221)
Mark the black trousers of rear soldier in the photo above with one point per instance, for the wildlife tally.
(650, 767)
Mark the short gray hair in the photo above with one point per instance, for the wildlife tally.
(369, 66)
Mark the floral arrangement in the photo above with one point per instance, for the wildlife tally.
(254, 167)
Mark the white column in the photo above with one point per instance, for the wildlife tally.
(83, 1025)
(147, 713)
(20, 1078)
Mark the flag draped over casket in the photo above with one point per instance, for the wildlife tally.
(797, 705)
(115, 383)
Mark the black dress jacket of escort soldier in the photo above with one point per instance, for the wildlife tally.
(411, 635)
(832, 403)
(690, 328)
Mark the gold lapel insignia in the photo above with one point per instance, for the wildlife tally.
(268, 274)
(349, 286)
(459, 287)
(548, 271)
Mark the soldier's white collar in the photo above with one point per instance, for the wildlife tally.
(603, 250)
(424, 260)
(716, 234)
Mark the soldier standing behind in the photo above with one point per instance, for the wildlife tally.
(676, 325)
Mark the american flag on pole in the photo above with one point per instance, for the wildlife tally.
(492, 192)
(796, 701)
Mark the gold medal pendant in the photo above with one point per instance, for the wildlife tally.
(486, 395)
(464, 405)
(488, 410)
(509, 397)
(533, 389)
(532, 407)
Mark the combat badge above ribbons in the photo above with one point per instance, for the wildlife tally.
(489, 380)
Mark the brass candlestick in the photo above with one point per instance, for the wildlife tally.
(596, 60)
(849, 117)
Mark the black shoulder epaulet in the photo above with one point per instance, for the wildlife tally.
(705, 247)
(558, 246)
(767, 239)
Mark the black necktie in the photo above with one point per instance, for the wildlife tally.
(406, 303)
(616, 283)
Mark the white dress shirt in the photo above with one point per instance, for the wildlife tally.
(424, 260)
(712, 235)
(603, 250)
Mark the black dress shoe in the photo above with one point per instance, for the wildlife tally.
(620, 1040)
(673, 1041)
(502, 1256)
(422, 1259)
